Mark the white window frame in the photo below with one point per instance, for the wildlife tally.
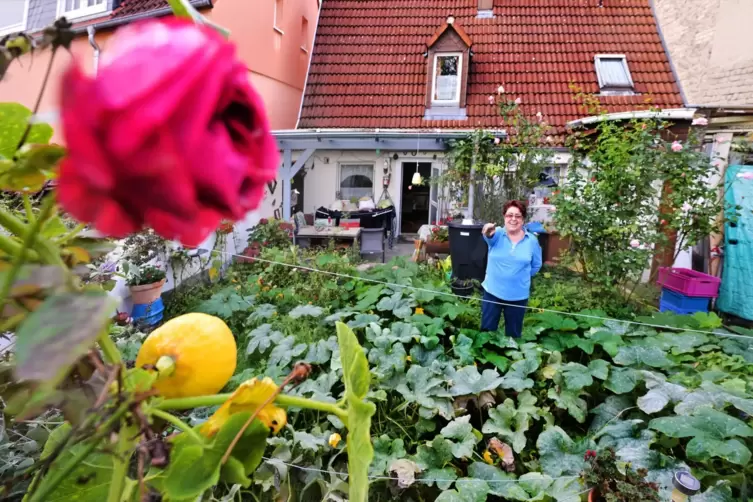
(447, 102)
(94, 10)
(275, 24)
(15, 28)
(607, 88)
(339, 180)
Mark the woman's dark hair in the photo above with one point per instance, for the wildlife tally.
(516, 204)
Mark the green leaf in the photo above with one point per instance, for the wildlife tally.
(225, 302)
(435, 454)
(517, 377)
(731, 450)
(611, 408)
(388, 358)
(263, 311)
(233, 473)
(305, 310)
(14, 118)
(423, 387)
(466, 490)
(285, 351)
(660, 393)
(622, 380)
(571, 401)
(679, 343)
(356, 373)
(556, 322)
(714, 396)
(60, 331)
(463, 349)
(636, 355)
(399, 306)
(501, 362)
(451, 311)
(262, 338)
(559, 455)
(88, 482)
(321, 351)
(576, 376)
(460, 431)
(511, 423)
(707, 320)
(385, 451)
(362, 320)
(310, 442)
(467, 381)
(611, 342)
(599, 368)
(721, 492)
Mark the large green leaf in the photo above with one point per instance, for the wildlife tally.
(499, 481)
(262, 338)
(638, 355)
(622, 380)
(357, 379)
(517, 376)
(306, 311)
(611, 342)
(511, 423)
(713, 396)
(14, 118)
(571, 401)
(423, 387)
(385, 451)
(225, 303)
(679, 343)
(576, 376)
(388, 358)
(712, 434)
(559, 455)
(660, 393)
(466, 490)
(460, 433)
(468, 381)
(433, 459)
(60, 331)
(612, 407)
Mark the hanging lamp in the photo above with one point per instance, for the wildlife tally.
(416, 180)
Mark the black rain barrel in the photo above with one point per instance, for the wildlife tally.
(468, 251)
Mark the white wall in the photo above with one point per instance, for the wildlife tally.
(234, 244)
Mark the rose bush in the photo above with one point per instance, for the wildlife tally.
(169, 134)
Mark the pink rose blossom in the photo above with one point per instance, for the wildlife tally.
(491, 100)
(169, 134)
(676, 146)
(497, 141)
(686, 208)
(539, 115)
(501, 89)
(635, 244)
(518, 101)
(700, 121)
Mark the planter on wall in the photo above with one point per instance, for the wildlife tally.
(146, 293)
(437, 247)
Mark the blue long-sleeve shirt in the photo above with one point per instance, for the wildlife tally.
(510, 266)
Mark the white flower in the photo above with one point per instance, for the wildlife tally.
(700, 121)
(501, 89)
(539, 115)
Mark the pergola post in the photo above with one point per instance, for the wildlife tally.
(287, 172)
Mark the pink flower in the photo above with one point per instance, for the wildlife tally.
(686, 208)
(549, 139)
(676, 146)
(635, 243)
(539, 115)
(518, 101)
(168, 134)
(700, 121)
(663, 222)
(501, 89)
(497, 141)
(748, 175)
(491, 100)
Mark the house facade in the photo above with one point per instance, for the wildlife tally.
(391, 82)
(274, 38)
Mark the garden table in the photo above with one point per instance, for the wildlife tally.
(305, 234)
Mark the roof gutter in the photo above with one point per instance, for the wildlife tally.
(671, 114)
(308, 67)
(669, 55)
(376, 133)
(119, 21)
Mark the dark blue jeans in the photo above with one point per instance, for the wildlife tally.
(514, 311)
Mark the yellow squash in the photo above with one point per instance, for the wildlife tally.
(196, 354)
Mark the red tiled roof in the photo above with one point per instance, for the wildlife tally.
(131, 7)
(368, 68)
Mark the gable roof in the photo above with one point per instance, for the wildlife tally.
(368, 68)
(454, 26)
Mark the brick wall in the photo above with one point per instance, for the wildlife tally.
(708, 41)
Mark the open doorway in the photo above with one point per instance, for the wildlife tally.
(414, 207)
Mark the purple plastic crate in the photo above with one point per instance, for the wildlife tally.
(689, 282)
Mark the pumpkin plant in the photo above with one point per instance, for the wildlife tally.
(116, 442)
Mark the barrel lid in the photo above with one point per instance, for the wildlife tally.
(686, 483)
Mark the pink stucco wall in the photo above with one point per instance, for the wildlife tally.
(277, 62)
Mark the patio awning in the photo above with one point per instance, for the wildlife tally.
(308, 141)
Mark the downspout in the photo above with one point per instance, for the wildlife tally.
(90, 30)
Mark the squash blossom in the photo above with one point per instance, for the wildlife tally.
(334, 439)
(488, 457)
(248, 397)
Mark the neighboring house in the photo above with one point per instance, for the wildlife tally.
(391, 81)
(274, 38)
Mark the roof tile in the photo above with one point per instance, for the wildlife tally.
(368, 69)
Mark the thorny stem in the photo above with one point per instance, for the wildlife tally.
(28, 242)
(39, 98)
(177, 423)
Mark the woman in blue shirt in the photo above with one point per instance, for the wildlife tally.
(514, 257)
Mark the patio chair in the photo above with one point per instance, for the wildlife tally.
(372, 241)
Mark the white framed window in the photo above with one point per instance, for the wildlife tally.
(81, 8)
(613, 73)
(13, 15)
(446, 78)
(278, 17)
(356, 181)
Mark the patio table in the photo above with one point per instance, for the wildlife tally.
(305, 234)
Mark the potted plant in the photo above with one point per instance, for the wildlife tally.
(145, 283)
(439, 241)
(463, 287)
(610, 484)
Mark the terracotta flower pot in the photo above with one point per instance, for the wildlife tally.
(146, 293)
(437, 247)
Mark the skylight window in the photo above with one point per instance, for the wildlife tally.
(613, 74)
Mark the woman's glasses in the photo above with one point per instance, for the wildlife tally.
(513, 216)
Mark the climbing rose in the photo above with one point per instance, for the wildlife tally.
(501, 89)
(169, 134)
(491, 100)
(686, 207)
(518, 101)
(701, 121)
(635, 243)
(497, 141)
(676, 146)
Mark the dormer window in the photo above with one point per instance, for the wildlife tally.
(613, 74)
(447, 79)
(448, 54)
